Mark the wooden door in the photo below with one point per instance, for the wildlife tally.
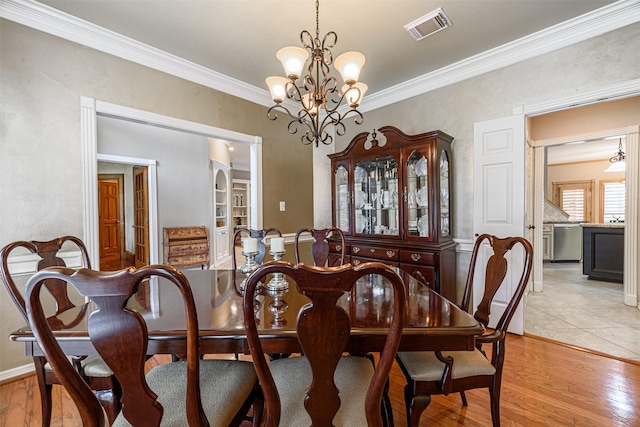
(141, 215)
(499, 202)
(109, 218)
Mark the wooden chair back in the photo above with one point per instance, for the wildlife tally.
(48, 251)
(495, 272)
(256, 234)
(320, 245)
(119, 335)
(323, 330)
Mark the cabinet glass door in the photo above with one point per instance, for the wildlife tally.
(417, 195)
(341, 180)
(445, 229)
(376, 196)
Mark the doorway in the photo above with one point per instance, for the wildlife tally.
(90, 109)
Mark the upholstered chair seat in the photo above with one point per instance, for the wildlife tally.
(224, 386)
(352, 377)
(425, 366)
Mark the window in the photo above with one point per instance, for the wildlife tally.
(574, 197)
(612, 201)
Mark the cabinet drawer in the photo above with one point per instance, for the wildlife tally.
(189, 259)
(187, 248)
(418, 257)
(337, 247)
(359, 260)
(375, 252)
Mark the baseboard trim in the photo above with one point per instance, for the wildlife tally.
(17, 372)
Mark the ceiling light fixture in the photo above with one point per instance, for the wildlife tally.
(318, 92)
(618, 163)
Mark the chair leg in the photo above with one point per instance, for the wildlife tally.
(464, 398)
(416, 404)
(494, 393)
(45, 390)
(387, 410)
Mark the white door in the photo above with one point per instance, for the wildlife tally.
(499, 201)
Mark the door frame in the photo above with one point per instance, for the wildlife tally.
(152, 170)
(632, 221)
(632, 231)
(90, 108)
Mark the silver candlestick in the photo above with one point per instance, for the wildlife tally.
(277, 307)
(278, 282)
(248, 267)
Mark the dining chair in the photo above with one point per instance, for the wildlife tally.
(92, 368)
(193, 392)
(320, 245)
(433, 373)
(323, 387)
(256, 234)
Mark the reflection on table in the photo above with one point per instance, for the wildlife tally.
(432, 322)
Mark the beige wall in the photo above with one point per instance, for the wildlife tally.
(591, 118)
(584, 171)
(43, 78)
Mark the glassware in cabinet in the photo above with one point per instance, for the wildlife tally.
(376, 196)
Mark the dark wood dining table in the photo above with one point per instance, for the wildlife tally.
(432, 322)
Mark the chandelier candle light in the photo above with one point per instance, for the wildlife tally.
(317, 92)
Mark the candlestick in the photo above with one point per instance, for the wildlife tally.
(277, 244)
(249, 265)
(277, 282)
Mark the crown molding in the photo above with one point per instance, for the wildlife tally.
(595, 23)
(47, 19)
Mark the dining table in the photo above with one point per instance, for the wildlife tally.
(431, 322)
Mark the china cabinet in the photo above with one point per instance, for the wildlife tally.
(391, 198)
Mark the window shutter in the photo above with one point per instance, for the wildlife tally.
(573, 203)
(614, 201)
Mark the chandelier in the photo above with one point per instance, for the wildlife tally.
(618, 163)
(317, 91)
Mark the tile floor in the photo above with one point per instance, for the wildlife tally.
(582, 312)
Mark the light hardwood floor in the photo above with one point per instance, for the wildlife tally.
(544, 384)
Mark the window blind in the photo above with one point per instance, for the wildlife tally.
(614, 201)
(573, 201)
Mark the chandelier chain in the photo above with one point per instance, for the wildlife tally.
(317, 19)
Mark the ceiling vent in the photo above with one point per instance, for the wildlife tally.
(429, 24)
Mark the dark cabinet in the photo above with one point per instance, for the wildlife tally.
(391, 197)
(603, 252)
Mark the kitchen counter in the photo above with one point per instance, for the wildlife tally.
(603, 251)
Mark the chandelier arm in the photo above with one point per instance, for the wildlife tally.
(293, 92)
(307, 44)
(275, 113)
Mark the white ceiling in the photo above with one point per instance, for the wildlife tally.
(239, 38)
(583, 151)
